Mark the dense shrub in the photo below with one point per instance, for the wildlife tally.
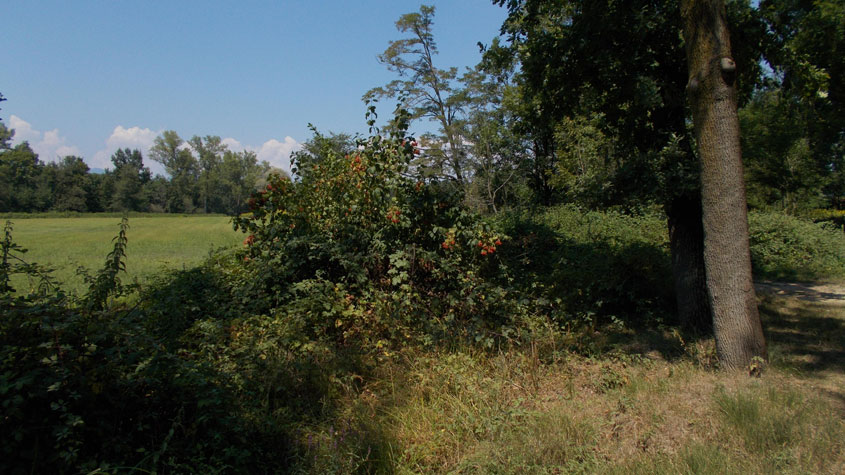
(248, 362)
(835, 217)
(787, 247)
(360, 251)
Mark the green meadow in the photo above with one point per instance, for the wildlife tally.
(155, 243)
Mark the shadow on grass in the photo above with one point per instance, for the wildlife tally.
(804, 334)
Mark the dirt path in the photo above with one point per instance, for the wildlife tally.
(833, 294)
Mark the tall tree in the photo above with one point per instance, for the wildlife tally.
(428, 90)
(239, 172)
(603, 86)
(69, 193)
(169, 150)
(500, 154)
(20, 173)
(210, 152)
(783, 168)
(130, 177)
(805, 47)
(712, 94)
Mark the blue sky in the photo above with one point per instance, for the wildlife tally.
(89, 77)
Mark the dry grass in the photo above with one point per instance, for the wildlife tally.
(636, 403)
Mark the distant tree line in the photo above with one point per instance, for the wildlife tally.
(204, 177)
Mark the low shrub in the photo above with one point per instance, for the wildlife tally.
(833, 216)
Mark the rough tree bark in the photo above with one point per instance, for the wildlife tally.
(686, 240)
(711, 92)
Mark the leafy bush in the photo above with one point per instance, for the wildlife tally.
(359, 251)
(786, 247)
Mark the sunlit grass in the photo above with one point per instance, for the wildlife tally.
(614, 409)
(155, 243)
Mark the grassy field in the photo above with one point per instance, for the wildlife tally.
(155, 243)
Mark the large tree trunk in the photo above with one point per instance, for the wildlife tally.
(686, 241)
(712, 95)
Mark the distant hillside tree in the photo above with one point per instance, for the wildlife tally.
(130, 177)
(69, 193)
(183, 168)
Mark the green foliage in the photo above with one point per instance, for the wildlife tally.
(786, 247)
(428, 92)
(591, 266)
(834, 216)
(782, 168)
(86, 386)
(107, 283)
(603, 88)
(358, 251)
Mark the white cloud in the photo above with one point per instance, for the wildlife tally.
(23, 130)
(273, 151)
(278, 153)
(50, 146)
(233, 144)
(132, 138)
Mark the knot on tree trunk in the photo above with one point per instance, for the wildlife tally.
(728, 67)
